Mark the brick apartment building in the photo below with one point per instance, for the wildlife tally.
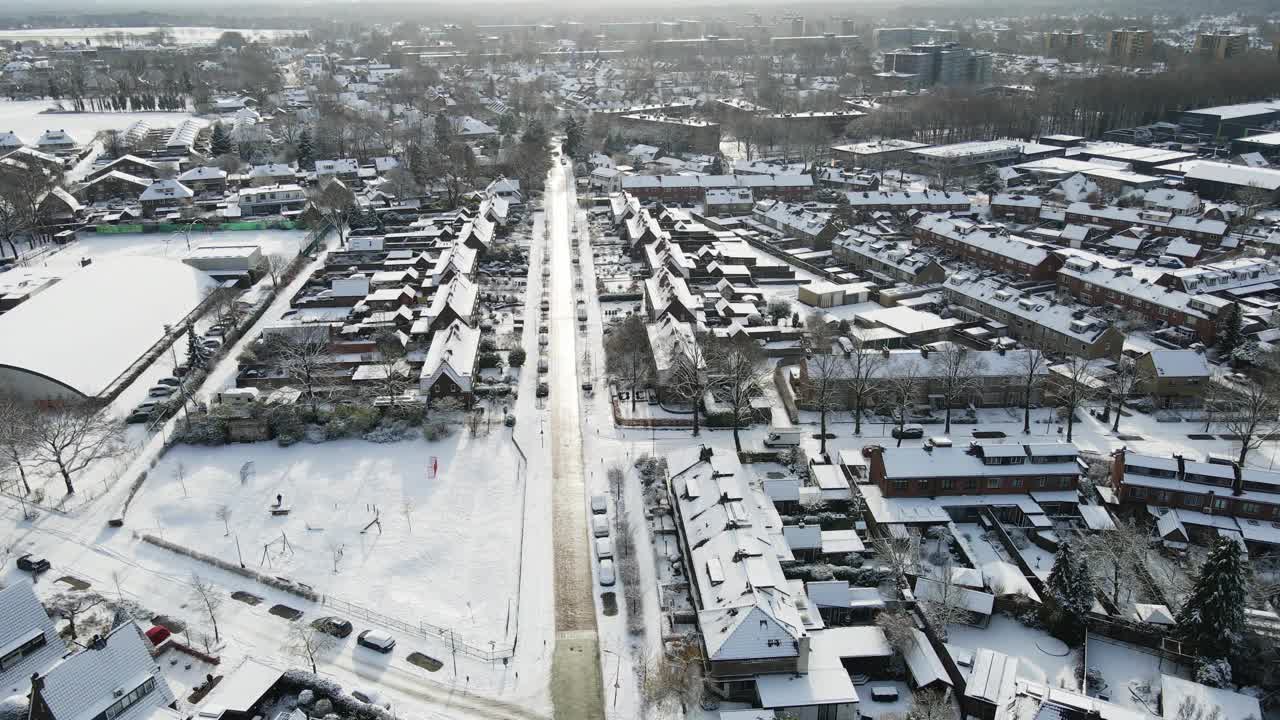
(990, 246)
(975, 470)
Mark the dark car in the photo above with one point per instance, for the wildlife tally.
(908, 432)
(33, 564)
(334, 626)
(543, 390)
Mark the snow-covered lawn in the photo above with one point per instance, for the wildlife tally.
(1128, 672)
(169, 245)
(1016, 640)
(447, 550)
(28, 120)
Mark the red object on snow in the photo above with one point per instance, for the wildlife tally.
(158, 634)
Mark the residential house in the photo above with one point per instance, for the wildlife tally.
(29, 642)
(990, 246)
(979, 469)
(344, 169)
(1023, 208)
(1200, 229)
(205, 179)
(114, 677)
(272, 174)
(885, 260)
(450, 364)
(114, 185)
(1173, 378)
(164, 196)
(56, 141)
(271, 199)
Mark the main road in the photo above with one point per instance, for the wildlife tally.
(576, 689)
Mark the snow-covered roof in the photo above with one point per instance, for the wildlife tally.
(22, 621)
(987, 240)
(991, 679)
(162, 190)
(9, 139)
(975, 601)
(341, 166)
(923, 661)
(55, 138)
(734, 538)
(272, 170)
(452, 354)
(242, 687)
(203, 172)
(85, 684)
(114, 310)
(1174, 691)
(1179, 363)
(1154, 614)
(1238, 175)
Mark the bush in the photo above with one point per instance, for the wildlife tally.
(489, 360)
(488, 344)
(809, 573)
(204, 430)
(436, 430)
(286, 424)
(516, 358)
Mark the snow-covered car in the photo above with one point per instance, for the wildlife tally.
(599, 504)
(334, 626)
(607, 575)
(600, 525)
(370, 697)
(376, 640)
(604, 548)
(160, 391)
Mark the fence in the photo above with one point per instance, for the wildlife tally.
(201, 227)
(423, 629)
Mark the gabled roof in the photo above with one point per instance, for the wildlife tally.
(84, 684)
(452, 354)
(161, 190)
(203, 172)
(23, 619)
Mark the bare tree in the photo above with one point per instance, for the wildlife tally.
(209, 599)
(1127, 378)
(17, 420)
(864, 368)
(337, 550)
(671, 681)
(897, 626)
(276, 264)
(824, 373)
(302, 356)
(1030, 374)
(308, 643)
(1073, 386)
(406, 509)
(1212, 398)
(1253, 416)
(959, 374)
(688, 377)
(71, 437)
(334, 204)
(180, 474)
(738, 375)
(932, 705)
(900, 555)
(400, 183)
(391, 376)
(627, 354)
(223, 513)
(1114, 557)
(900, 392)
(70, 606)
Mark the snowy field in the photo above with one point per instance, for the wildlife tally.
(28, 119)
(168, 245)
(447, 550)
(180, 35)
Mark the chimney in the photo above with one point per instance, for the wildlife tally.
(1237, 481)
(802, 657)
(1182, 464)
(37, 684)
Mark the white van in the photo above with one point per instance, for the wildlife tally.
(938, 441)
(783, 436)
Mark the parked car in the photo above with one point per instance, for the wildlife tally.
(376, 640)
(908, 432)
(543, 389)
(172, 382)
(138, 416)
(604, 548)
(334, 626)
(33, 564)
(607, 575)
(215, 331)
(160, 391)
(370, 697)
(599, 504)
(600, 525)
(158, 634)
(211, 343)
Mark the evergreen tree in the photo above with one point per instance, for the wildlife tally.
(573, 135)
(197, 356)
(717, 165)
(1211, 622)
(306, 153)
(443, 130)
(1071, 594)
(842, 217)
(220, 142)
(1230, 330)
(507, 124)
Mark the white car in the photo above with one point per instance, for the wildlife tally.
(599, 505)
(607, 576)
(600, 526)
(604, 548)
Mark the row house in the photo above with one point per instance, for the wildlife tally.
(980, 469)
(904, 200)
(166, 196)
(271, 199)
(1096, 280)
(797, 221)
(692, 189)
(1022, 208)
(1036, 318)
(1202, 493)
(990, 246)
(1236, 276)
(1191, 227)
(892, 261)
(113, 185)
